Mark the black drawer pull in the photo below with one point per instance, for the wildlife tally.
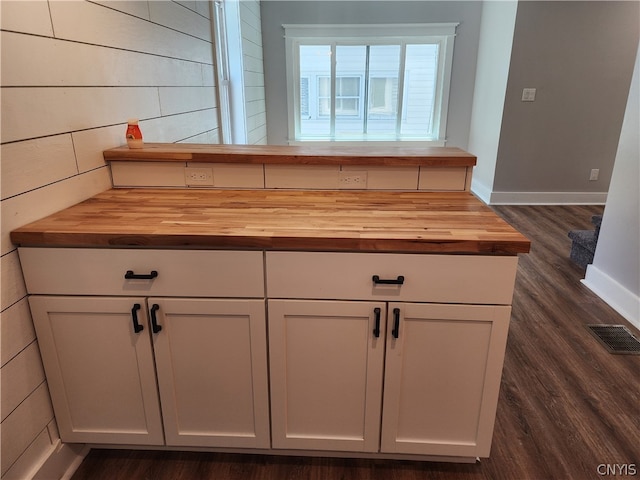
(134, 316)
(381, 281)
(396, 323)
(140, 276)
(376, 330)
(155, 328)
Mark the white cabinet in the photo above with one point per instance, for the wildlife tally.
(326, 374)
(100, 372)
(442, 361)
(442, 378)
(386, 355)
(108, 358)
(211, 357)
(442, 371)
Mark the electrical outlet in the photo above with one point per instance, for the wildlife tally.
(352, 179)
(198, 177)
(595, 172)
(528, 94)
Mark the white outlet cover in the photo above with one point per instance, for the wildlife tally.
(351, 179)
(198, 176)
(528, 94)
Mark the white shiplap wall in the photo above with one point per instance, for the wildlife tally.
(73, 72)
(251, 31)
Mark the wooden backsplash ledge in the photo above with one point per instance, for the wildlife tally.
(292, 155)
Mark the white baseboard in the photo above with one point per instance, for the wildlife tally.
(547, 198)
(47, 458)
(64, 460)
(622, 300)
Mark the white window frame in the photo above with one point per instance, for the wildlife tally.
(230, 71)
(441, 33)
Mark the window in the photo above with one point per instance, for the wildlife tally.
(347, 96)
(368, 82)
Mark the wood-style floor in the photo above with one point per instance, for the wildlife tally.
(566, 405)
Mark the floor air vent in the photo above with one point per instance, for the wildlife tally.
(616, 338)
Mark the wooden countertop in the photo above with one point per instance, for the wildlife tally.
(371, 221)
(293, 155)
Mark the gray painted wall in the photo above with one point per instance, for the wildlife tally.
(580, 57)
(276, 13)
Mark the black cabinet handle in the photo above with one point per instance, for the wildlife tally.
(154, 320)
(376, 330)
(381, 281)
(396, 323)
(140, 276)
(134, 316)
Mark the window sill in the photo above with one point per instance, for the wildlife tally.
(406, 143)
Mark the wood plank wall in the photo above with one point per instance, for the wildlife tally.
(73, 72)
(255, 106)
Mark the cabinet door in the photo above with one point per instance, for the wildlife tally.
(99, 370)
(211, 357)
(442, 378)
(326, 374)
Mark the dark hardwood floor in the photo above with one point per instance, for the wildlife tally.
(566, 405)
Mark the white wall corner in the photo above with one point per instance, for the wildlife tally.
(480, 190)
(622, 300)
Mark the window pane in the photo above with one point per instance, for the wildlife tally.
(350, 70)
(378, 94)
(420, 74)
(304, 97)
(348, 86)
(384, 63)
(367, 91)
(324, 87)
(315, 64)
(346, 106)
(324, 107)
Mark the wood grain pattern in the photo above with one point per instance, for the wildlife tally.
(307, 155)
(566, 405)
(280, 220)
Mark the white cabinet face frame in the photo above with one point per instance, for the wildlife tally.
(442, 378)
(326, 369)
(211, 358)
(100, 372)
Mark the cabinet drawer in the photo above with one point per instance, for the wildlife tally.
(193, 273)
(427, 278)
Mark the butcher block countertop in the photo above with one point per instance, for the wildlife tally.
(354, 221)
(292, 155)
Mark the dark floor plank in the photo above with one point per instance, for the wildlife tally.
(566, 405)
